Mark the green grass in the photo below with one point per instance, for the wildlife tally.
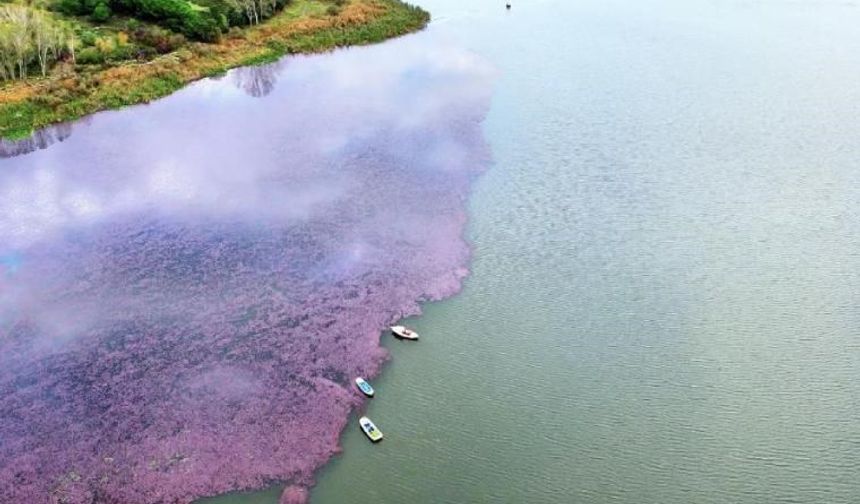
(304, 8)
(397, 21)
(17, 120)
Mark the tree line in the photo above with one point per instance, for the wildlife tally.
(30, 39)
(33, 39)
(204, 20)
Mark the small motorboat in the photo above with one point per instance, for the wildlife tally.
(364, 387)
(370, 429)
(404, 332)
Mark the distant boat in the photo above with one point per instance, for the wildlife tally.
(365, 387)
(404, 333)
(370, 429)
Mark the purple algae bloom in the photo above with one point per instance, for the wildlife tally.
(197, 281)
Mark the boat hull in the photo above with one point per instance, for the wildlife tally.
(402, 332)
(364, 387)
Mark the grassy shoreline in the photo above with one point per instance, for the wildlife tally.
(28, 106)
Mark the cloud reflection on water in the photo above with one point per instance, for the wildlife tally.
(199, 279)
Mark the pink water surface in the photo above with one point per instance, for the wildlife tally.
(198, 280)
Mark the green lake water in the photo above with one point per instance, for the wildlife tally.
(663, 305)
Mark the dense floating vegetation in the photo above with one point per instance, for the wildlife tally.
(185, 320)
(81, 56)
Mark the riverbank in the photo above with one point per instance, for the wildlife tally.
(27, 106)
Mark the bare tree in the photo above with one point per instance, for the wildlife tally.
(68, 36)
(249, 8)
(30, 35)
(19, 37)
(263, 8)
(45, 38)
(8, 59)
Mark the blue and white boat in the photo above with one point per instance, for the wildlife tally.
(364, 387)
(370, 429)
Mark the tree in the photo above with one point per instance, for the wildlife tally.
(19, 42)
(248, 7)
(29, 36)
(8, 61)
(44, 37)
(101, 13)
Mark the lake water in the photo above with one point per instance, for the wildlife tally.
(188, 288)
(663, 299)
(663, 306)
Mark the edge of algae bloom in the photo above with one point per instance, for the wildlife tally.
(29, 106)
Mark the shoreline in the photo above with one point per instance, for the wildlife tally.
(26, 107)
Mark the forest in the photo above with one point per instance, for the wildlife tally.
(36, 36)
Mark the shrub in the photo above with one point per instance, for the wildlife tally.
(90, 56)
(88, 38)
(177, 15)
(175, 42)
(69, 6)
(236, 33)
(77, 7)
(202, 28)
(144, 53)
(101, 13)
(105, 45)
(159, 39)
(120, 53)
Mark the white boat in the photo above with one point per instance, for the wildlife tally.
(370, 429)
(364, 387)
(404, 332)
